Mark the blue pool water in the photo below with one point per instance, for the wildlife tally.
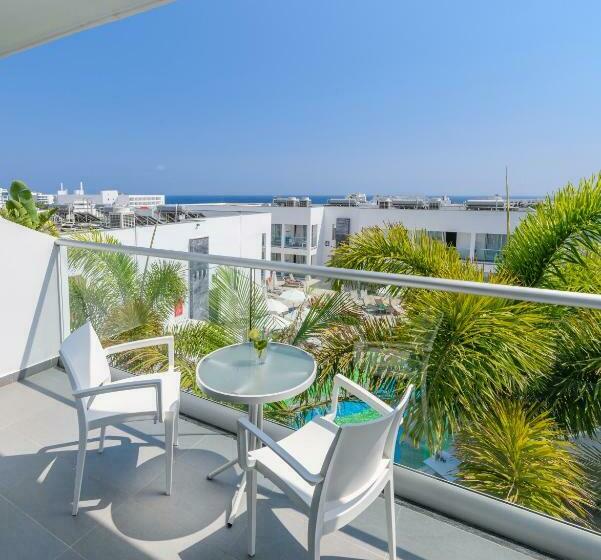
(353, 411)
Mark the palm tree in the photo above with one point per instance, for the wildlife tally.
(124, 300)
(520, 455)
(465, 349)
(475, 350)
(563, 231)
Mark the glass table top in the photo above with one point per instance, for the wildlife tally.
(233, 374)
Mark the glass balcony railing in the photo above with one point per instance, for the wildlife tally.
(276, 240)
(295, 242)
(464, 253)
(504, 377)
(487, 255)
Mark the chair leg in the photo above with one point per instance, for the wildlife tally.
(101, 444)
(81, 459)
(251, 508)
(169, 433)
(176, 428)
(314, 538)
(390, 519)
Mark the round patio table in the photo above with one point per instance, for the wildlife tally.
(233, 374)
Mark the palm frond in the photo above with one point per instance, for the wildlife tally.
(520, 455)
(327, 311)
(118, 272)
(474, 350)
(572, 392)
(395, 250)
(590, 457)
(563, 230)
(164, 286)
(237, 303)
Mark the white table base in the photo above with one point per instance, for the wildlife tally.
(255, 415)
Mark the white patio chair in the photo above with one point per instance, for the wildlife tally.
(101, 402)
(331, 472)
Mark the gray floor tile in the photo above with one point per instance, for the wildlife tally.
(139, 530)
(48, 499)
(18, 457)
(70, 554)
(22, 538)
(19, 402)
(54, 383)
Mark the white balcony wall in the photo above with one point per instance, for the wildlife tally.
(30, 330)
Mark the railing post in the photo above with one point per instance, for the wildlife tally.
(63, 292)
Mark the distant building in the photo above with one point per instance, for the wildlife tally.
(306, 234)
(109, 197)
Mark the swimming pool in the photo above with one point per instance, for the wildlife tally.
(351, 412)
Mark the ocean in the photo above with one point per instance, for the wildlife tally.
(260, 199)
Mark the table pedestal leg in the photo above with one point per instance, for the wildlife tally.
(222, 468)
(255, 415)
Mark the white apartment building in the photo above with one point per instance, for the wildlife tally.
(308, 234)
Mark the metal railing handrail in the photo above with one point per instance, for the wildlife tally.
(538, 295)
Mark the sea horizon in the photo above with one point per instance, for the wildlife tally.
(315, 199)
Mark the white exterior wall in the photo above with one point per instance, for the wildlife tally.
(30, 331)
(231, 236)
(283, 215)
(467, 223)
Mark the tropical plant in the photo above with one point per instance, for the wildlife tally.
(572, 391)
(125, 300)
(520, 455)
(564, 230)
(472, 351)
(21, 209)
(590, 456)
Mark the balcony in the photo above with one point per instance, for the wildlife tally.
(486, 255)
(124, 513)
(292, 242)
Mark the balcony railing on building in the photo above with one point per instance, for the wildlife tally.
(295, 242)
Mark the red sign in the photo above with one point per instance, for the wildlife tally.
(179, 308)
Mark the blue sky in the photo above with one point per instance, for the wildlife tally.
(312, 96)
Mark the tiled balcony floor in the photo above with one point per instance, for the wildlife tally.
(125, 515)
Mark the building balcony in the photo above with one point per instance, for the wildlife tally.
(124, 512)
(291, 242)
(486, 255)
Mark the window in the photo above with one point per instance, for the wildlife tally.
(276, 234)
(314, 235)
(489, 245)
(295, 259)
(333, 232)
(276, 257)
(343, 229)
(295, 236)
(451, 238)
(438, 235)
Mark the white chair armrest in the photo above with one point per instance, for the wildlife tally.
(245, 427)
(125, 385)
(357, 391)
(156, 341)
